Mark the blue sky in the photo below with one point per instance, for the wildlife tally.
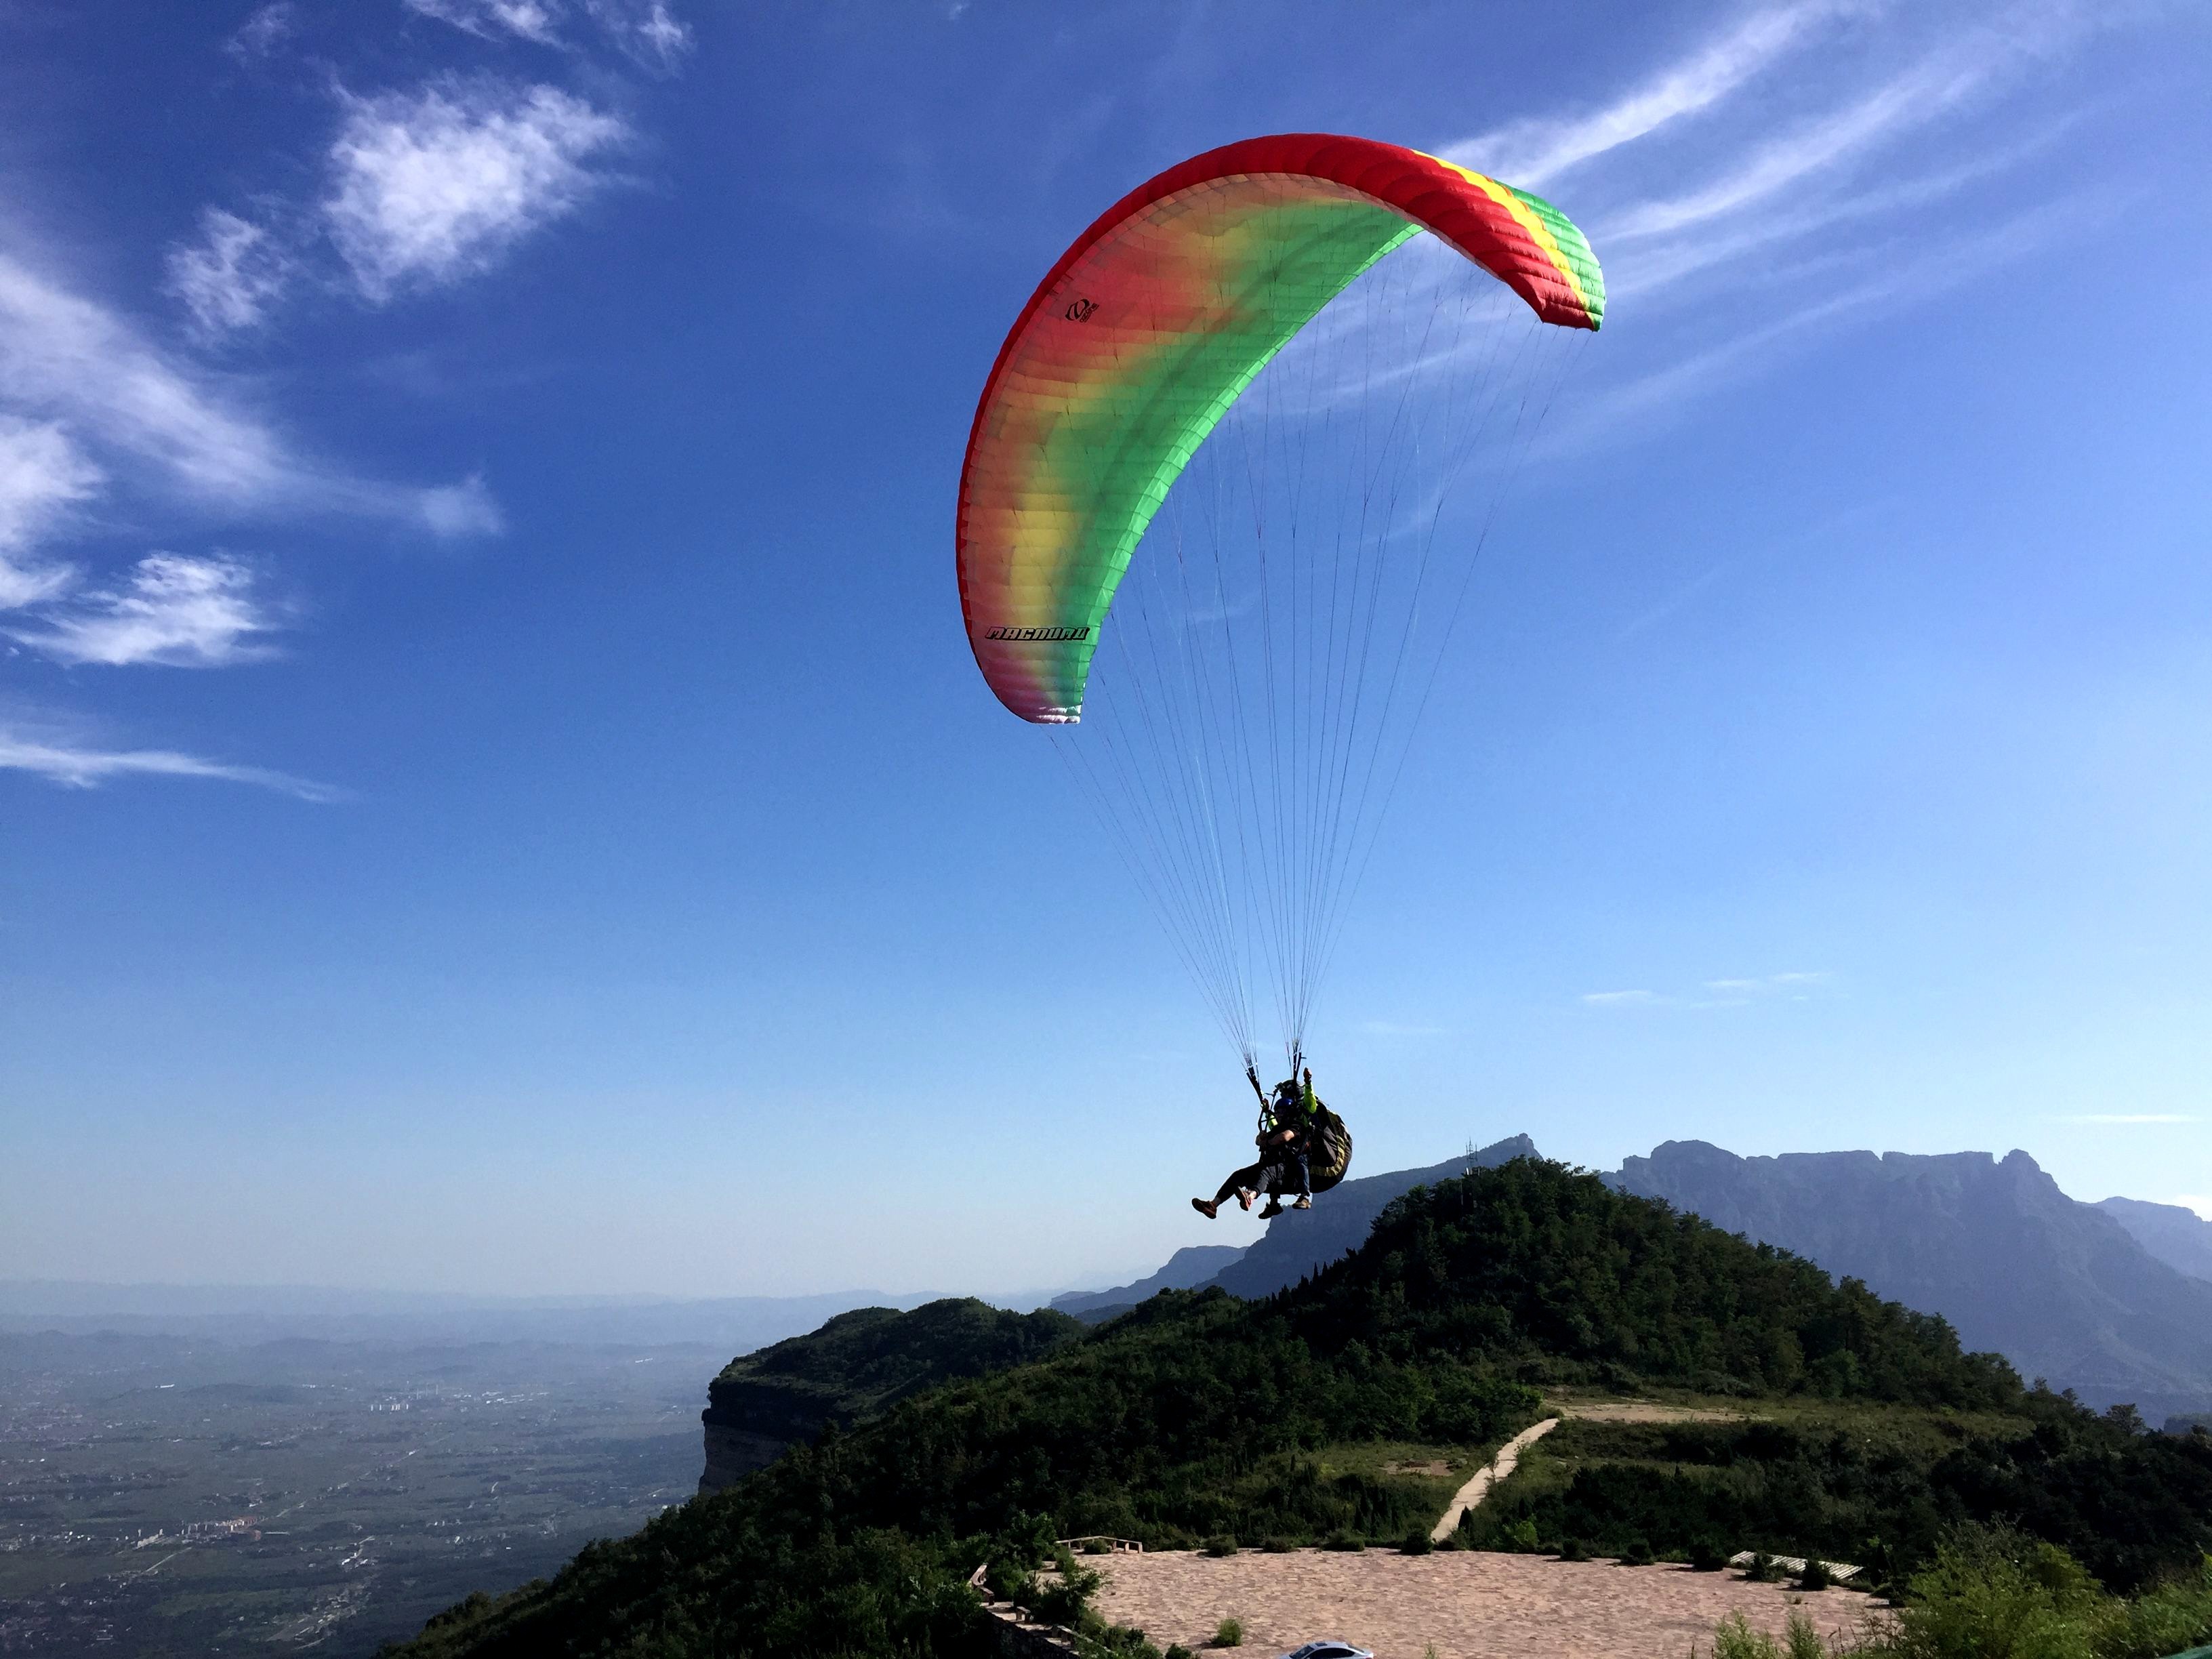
(494, 795)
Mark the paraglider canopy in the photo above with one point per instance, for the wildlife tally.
(1151, 325)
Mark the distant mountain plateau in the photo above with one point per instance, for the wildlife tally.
(2112, 1300)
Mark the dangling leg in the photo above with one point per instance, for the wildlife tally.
(1240, 1183)
(1277, 1178)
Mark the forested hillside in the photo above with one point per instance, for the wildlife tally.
(1198, 1415)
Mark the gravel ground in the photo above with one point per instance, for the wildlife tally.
(1469, 1604)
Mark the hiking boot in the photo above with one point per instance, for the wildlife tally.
(1244, 1197)
(1274, 1208)
(1305, 1201)
(1206, 1206)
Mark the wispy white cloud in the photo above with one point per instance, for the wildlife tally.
(62, 354)
(1667, 607)
(1532, 152)
(1733, 993)
(1892, 278)
(435, 185)
(175, 611)
(463, 509)
(230, 277)
(1648, 272)
(42, 475)
(1765, 982)
(2128, 1118)
(67, 362)
(1908, 101)
(264, 31)
(1761, 155)
(79, 765)
(527, 19)
(647, 31)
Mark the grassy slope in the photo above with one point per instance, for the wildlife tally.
(1197, 1415)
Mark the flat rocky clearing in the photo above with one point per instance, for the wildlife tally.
(1469, 1604)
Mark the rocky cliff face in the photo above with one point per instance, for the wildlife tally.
(2179, 1237)
(734, 1453)
(2058, 1287)
(857, 1363)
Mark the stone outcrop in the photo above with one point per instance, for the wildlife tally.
(864, 1361)
(734, 1452)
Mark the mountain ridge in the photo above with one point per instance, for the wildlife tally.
(2059, 1286)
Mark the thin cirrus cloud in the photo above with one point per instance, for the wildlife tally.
(1692, 168)
(174, 612)
(436, 185)
(1734, 993)
(527, 19)
(1534, 152)
(72, 366)
(43, 474)
(79, 765)
(262, 33)
(645, 31)
(230, 277)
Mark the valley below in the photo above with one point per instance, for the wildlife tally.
(168, 1496)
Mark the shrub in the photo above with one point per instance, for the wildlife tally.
(1993, 1590)
(1520, 1538)
(1762, 1570)
(2166, 1617)
(1063, 1600)
(1176, 1650)
(1277, 1545)
(1106, 1641)
(1229, 1633)
(1637, 1554)
(1734, 1639)
(1707, 1557)
(1220, 1545)
(1417, 1542)
(1059, 1603)
(1573, 1549)
(1814, 1575)
(1350, 1543)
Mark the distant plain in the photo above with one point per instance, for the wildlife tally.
(160, 1496)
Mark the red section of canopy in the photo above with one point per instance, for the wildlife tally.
(1428, 192)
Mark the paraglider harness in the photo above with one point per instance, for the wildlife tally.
(1329, 1143)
